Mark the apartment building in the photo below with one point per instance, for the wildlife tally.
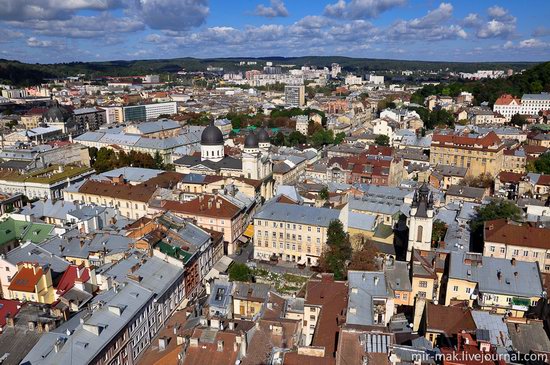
(480, 154)
(529, 104)
(520, 241)
(293, 233)
(214, 212)
(131, 200)
(495, 284)
(295, 95)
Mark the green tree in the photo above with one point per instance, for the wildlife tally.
(159, 161)
(240, 272)
(339, 137)
(494, 210)
(323, 194)
(364, 258)
(295, 138)
(335, 257)
(322, 137)
(541, 165)
(279, 139)
(382, 140)
(518, 120)
(438, 230)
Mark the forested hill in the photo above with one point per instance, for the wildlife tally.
(19, 73)
(533, 80)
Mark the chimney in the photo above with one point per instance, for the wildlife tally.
(376, 279)
(218, 204)
(220, 345)
(499, 275)
(231, 326)
(513, 261)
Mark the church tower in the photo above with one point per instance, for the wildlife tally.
(212, 144)
(421, 221)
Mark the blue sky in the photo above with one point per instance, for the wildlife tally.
(47, 31)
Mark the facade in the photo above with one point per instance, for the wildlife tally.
(481, 154)
(295, 95)
(529, 104)
(131, 200)
(517, 241)
(293, 233)
(501, 285)
(147, 112)
(90, 118)
(421, 221)
(113, 114)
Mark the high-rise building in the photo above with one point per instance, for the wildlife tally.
(335, 70)
(295, 95)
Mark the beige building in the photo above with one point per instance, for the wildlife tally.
(479, 154)
(494, 284)
(131, 200)
(519, 241)
(292, 232)
(33, 283)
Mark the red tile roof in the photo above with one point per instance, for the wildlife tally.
(70, 276)
(448, 320)
(206, 205)
(510, 177)
(206, 353)
(507, 99)
(520, 234)
(467, 141)
(10, 307)
(26, 279)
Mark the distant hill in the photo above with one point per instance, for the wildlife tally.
(19, 73)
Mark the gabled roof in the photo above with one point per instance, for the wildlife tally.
(518, 234)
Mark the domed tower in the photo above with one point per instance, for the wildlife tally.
(212, 144)
(421, 220)
(263, 139)
(58, 116)
(251, 145)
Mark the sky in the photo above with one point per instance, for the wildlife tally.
(51, 31)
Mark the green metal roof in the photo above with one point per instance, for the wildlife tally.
(12, 229)
(173, 251)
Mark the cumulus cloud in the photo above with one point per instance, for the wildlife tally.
(103, 25)
(34, 42)
(361, 9)
(277, 9)
(53, 9)
(173, 14)
(501, 24)
(433, 26)
(472, 20)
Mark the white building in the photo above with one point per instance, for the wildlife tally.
(377, 80)
(529, 104)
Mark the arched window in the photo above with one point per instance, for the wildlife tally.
(419, 233)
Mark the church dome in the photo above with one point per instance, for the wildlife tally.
(211, 136)
(251, 140)
(57, 113)
(263, 136)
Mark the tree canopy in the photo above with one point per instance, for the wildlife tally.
(239, 272)
(541, 165)
(382, 140)
(338, 252)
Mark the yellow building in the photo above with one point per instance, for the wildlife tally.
(248, 299)
(428, 268)
(294, 233)
(500, 285)
(480, 154)
(32, 283)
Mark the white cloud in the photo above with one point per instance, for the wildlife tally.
(50, 9)
(277, 9)
(34, 42)
(361, 9)
(500, 25)
(434, 17)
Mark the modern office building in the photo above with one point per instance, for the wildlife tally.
(295, 95)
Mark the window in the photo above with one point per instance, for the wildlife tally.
(516, 252)
(419, 234)
(525, 253)
(422, 294)
(318, 229)
(535, 254)
(492, 249)
(546, 267)
(455, 288)
(502, 250)
(468, 290)
(423, 284)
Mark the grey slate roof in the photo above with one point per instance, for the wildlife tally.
(82, 346)
(72, 247)
(366, 222)
(527, 282)
(38, 254)
(494, 323)
(364, 286)
(297, 214)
